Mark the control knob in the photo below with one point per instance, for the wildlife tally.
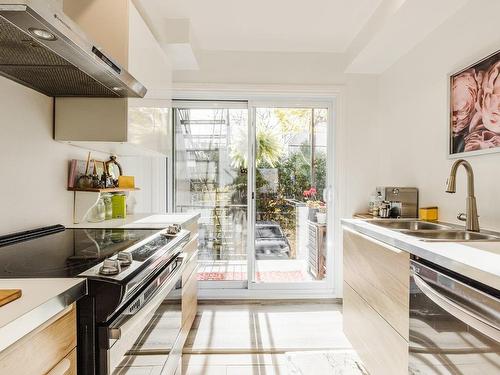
(124, 258)
(110, 267)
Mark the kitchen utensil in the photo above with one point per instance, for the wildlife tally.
(385, 209)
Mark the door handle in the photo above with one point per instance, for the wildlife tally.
(327, 194)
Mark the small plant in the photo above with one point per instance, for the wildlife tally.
(311, 193)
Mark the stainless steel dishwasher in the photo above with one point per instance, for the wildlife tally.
(454, 323)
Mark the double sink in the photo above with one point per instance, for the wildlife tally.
(436, 232)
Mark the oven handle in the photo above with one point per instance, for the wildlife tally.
(468, 317)
(115, 333)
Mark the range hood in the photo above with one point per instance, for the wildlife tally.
(43, 49)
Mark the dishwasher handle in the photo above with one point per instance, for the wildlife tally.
(466, 316)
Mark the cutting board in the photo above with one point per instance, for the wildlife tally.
(9, 295)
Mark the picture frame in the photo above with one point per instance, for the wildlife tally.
(474, 107)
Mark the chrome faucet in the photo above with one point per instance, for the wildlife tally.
(471, 218)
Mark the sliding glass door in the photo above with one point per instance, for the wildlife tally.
(259, 175)
(290, 169)
(211, 154)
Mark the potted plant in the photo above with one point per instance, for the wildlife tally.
(312, 203)
(321, 214)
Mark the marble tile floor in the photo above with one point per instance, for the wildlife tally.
(261, 338)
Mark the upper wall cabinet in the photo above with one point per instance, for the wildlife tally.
(124, 127)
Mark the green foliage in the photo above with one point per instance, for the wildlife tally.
(320, 172)
(269, 149)
(293, 120)
(294, 175)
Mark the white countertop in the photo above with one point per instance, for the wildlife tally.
(479, 261)
(41, 300)
(144, 221)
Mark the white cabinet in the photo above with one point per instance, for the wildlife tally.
(125, 127)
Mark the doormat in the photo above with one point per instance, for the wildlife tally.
(266, 276)
(335, 362)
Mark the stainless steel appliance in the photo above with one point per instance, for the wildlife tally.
(43, 49)
(134, 285)
(403, 200)
(454, 323)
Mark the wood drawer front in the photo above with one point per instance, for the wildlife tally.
(381, 275)
(189, 300)
(38, 352)
(67, 366)
(192, 227)
(382, 350)
(191, 266)
(191, 246)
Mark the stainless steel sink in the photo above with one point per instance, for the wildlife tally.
(450, 235)
(412, 225)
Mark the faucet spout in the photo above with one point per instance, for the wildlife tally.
(471, 217)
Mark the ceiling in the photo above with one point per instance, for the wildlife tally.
(363, 36)
(270, 25)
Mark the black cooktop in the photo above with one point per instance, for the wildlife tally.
(69, 252)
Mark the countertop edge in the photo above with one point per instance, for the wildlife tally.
(136, 221)
(415, 248)
(31, 320)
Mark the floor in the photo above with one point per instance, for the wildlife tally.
(292, 270)
(241, 339)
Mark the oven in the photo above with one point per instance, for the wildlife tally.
(454, 323)
(136, 328)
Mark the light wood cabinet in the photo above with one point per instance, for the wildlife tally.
(376, 302)
(189, 296)
(67, 366)
(49, 350)
(380, 273)
(382, 350)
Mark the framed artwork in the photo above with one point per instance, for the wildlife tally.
(475, 108)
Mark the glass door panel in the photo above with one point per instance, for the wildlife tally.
(211, 155)
(290, 177)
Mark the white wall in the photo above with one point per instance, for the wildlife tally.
(412, 126)
(34, 167)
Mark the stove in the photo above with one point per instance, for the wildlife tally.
(59, 252)
(126, 269)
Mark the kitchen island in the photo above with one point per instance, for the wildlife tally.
(479, 261)
(408, 303)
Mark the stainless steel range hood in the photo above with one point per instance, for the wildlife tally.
(43, 49)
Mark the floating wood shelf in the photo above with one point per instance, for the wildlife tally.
(106, 190)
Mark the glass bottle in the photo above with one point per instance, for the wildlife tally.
(98, 212)
(109, 206)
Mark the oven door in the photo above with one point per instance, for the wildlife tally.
(149, 325)
(454, 328)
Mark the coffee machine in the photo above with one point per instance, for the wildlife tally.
(403, 201)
